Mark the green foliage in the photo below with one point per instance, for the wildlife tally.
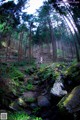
(21, 116)
(31, 69)
(15, 78)
(46, 73)
(14, 73)
(2, 27)
(30, 87)
(21, 63)
(35, 110)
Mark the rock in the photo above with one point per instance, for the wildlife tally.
(43, 101)
(57, 89)
(6, 91)
(36, 82)
(33, 105)
(72, 76)
(21, 102)
(71, 102)
(29, 96)
(15, 106)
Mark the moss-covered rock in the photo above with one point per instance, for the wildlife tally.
(8, 91)
(72, 76)
(71, 103)
(29, 96)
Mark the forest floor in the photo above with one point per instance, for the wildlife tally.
(33, 92)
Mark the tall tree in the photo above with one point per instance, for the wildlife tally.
(45, 19)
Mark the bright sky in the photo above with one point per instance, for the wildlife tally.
(33, 5)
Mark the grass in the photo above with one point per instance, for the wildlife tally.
(21, 116)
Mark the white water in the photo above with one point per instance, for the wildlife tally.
(57, 88)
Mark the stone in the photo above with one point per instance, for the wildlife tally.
(43, 101)
(33, 105)
(17, 104)
(29, 96)
(36, 82)
(21, 102)
(14, 106)
(71, 102)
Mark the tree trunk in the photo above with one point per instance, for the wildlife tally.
(30, 50)
(52, 40)
(20, 53)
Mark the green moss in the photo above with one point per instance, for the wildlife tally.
(61, 104)
(73, 72)
(30, 100)
(67, 99)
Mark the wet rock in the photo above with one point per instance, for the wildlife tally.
(43, 101)
(71, 103)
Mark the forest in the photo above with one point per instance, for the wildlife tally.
(40, 60)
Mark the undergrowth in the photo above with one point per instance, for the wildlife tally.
(21, 116)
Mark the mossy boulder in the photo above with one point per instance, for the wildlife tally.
(72, 76)
(8, 91)
(71, 102)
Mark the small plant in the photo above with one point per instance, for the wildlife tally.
(21, 116)
(30, 87)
